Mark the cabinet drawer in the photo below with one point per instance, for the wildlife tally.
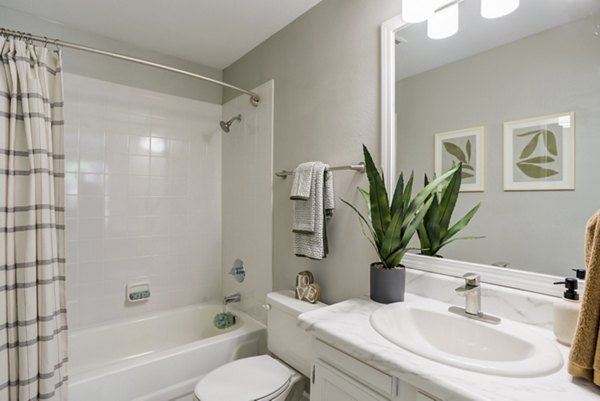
(425, 397)
(373, 378)
(332, 385)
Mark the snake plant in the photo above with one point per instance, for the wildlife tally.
(390, 227)
(434, 231)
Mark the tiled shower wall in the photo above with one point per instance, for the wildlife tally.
(143, 183)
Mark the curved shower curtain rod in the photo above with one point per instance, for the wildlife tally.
(254, 98)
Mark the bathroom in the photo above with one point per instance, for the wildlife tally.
(166, 193)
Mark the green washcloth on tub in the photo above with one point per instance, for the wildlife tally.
(224, 320)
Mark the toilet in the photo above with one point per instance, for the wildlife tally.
(280, 376)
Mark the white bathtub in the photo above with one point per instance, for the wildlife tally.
(158, 357)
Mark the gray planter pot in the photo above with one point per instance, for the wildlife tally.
(387, 285)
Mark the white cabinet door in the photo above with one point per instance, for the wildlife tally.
(330, 384)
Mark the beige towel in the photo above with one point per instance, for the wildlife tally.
(584, 360)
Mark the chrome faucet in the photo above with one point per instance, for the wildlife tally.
(472, 293)
(232, 298)
(471, 290)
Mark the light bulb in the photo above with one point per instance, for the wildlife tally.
(443, 23)
(414, 11)
(498, 8)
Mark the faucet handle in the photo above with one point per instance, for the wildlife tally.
(472, 279)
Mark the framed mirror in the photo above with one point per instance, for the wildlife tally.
(516, 99)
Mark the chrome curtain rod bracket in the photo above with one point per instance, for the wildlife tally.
(254, 97)
(359, 167)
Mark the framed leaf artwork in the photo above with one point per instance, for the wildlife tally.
(539, 153)
(463, 146)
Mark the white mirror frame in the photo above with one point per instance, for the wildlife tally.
(518, 279)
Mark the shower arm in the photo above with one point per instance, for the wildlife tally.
(254, 98)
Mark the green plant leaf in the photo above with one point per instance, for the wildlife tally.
(423, 238)
(420, 199)
(380, 208)
(538, 160)
(366, 198)
(462, 239)
(407, 192)
(396, 257)
(534, 132)
(462, 223)
(468, 167)
(466, 174)
(533, 171)
(448, 201)
(431, 222)
(397, 198)
(411, 229)
(528, 150)
(550, 142)
(363, 219)
(455, 151)
(369, 236)
(434, 232)
(468, 151)
(392, 237)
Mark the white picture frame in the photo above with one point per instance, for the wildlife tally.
(539, 153)
(465, 146)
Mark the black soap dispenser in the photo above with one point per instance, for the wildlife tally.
(566, 312)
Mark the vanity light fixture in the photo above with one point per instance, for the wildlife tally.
(498, 8)
(444, 22)
(442, 15)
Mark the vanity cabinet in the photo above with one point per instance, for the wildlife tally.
(337, 376)
(331, 385)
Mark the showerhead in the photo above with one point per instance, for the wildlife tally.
(225, 126)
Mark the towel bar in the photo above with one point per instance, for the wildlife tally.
(360, 167)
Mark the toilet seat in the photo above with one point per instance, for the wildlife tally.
(259, 378)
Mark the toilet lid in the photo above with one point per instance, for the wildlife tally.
(246, 379)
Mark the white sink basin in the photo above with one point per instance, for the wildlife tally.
(425, 327)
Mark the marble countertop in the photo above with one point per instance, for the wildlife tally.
(346, 326)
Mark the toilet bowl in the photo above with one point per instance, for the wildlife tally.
(260, 378)
(265, 377)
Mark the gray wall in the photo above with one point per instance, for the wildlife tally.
(121, 72)
(326, 71)
(552, 72)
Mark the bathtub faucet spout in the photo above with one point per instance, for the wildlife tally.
(232, 298)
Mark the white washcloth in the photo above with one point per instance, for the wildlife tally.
(302, 181)
(309, 227)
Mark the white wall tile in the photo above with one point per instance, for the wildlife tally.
(71, 184)
(116, 142)
(128, 183)
(91, 139)
(138, 185)
(91, 163)
(158, 166)
(91, 184)
(90, 206)
(139, 165)
(116, 163)
(90, 228)
(139, 145)
(158, 146)
(116, 184)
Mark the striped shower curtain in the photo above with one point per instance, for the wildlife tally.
(33, 321)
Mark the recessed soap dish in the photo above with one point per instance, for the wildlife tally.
(137, 292)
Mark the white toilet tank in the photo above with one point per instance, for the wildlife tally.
(285, 339)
